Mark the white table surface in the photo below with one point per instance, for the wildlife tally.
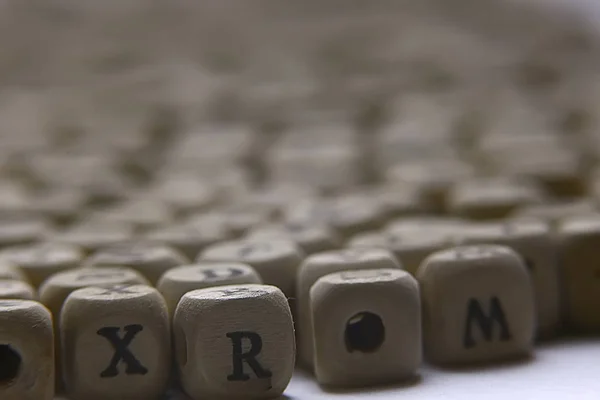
(560, 370)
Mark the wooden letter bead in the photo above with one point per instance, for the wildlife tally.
(536, 244)
(115, 343)
(312, 237)
(22, 230)
(579, 241)
(178, 281)
(149, 259)
(478, 305)
(366, 327)
(492, 198)
(8, 271)
(26, 351)
(58, 287)
(275, 260)
(321, 264)
(11, 289)
(234, 342)
(92, 235)
(42, 260)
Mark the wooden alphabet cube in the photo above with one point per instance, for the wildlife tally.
(275, 260)
(13, 289)
(26, 354)
(366, 327)
(478, 305)
(8, 271)
(535, 242)
(178, 281)
(92, 235)
(311, 236)
(190, 238)
(116, 343)
(579, 242)
(488, 199)
(234, 342)
(321, 264)
(151, 260)
(55, 290)
(354, 213)
(40, 261)
(22, 230)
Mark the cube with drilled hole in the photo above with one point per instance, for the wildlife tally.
(26, 354)
(178, 281)
(321, 264)
(116, 343)
(478, 305)
(234, 342)
(366, 327)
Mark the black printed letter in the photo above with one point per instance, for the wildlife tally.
(486, 323)
(249, 357)
(134, 367)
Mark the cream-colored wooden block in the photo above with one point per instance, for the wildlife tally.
(40, 261)
(61, 206)
(58, 287)
(26, 354)
(433, 179)
(234, 342)
(478, 305)
(9, 271)
(535, 242)
(116, 343)
(554, 213)
(151, 260)
(20, 231)
(275, 260)
(12, 289)
(398, 200)
(579, 240)
(321, 264)
(354, 213)
(240, 218)
(142, 214)
(92, 235)
(185, 194)
(559, 172)
(311, 236)
(366, 327)
(178, 281)
(190, 238)
(492, 198)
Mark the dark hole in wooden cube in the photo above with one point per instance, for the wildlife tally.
(10, 364)
(364, 332)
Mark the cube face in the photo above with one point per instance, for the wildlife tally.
(321, 264)
(149, 259)
(366, 327)
(534, 241)
(275, 260)
(249, 356)
(580, 238)
(40, 261)
(477, 304)
(115, 343)
(27, 355)
(178, 281)
(11, 289)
